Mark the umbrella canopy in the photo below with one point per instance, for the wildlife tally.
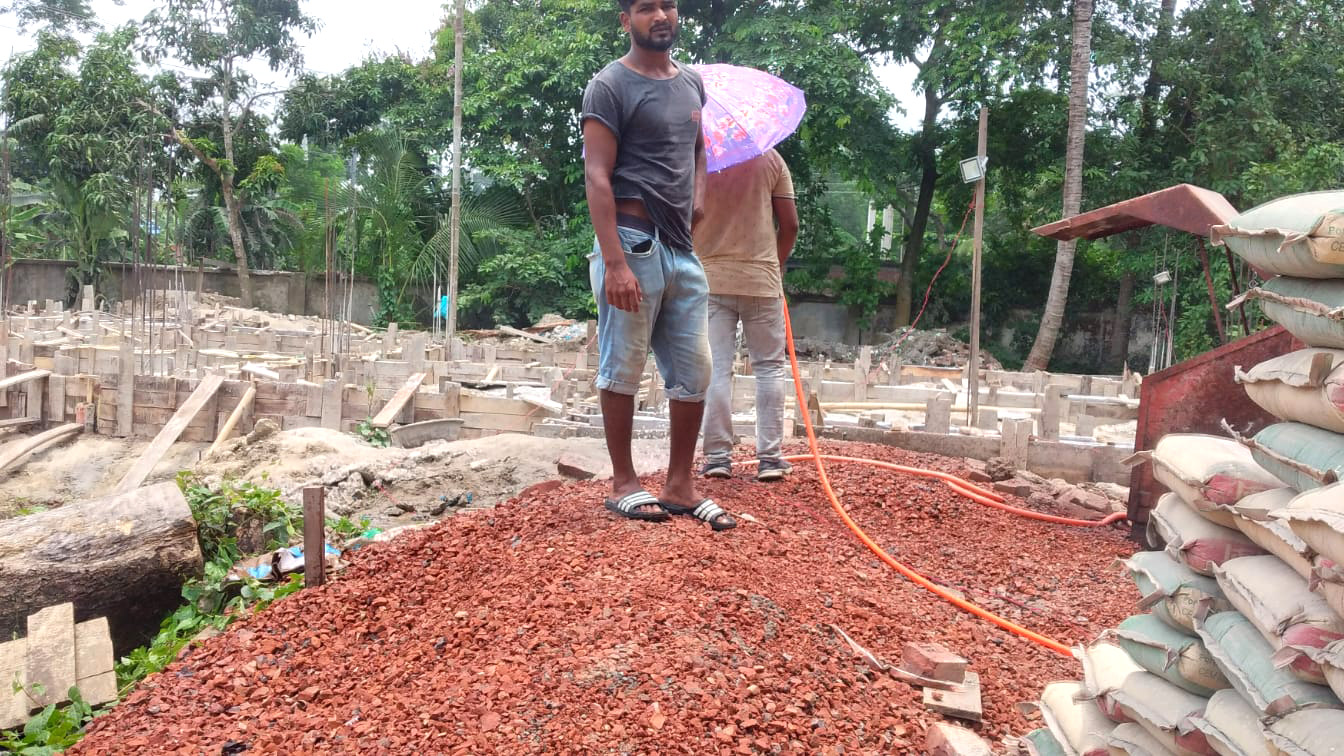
(747, 112)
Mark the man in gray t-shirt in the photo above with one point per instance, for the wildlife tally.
(644, 170)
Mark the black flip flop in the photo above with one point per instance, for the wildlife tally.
(706, 511)
(628, 506)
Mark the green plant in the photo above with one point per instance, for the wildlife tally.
(51, 730)
(219, 512)
(345, 528)
(376, 436)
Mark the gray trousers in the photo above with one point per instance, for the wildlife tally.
(762, 321)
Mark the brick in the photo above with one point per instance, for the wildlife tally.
(962, 702)
(51, 653)
(1014, 487)
(576, 467)
(934, 660)
(943, 739)
(537, 489)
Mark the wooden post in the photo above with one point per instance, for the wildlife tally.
(314, 536)
(938, 413)
(973, 369)
(455, 212)
(126, 388)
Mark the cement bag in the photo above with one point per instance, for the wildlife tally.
(1210, 473)
(1231, 726)
(1171, 590)
(1246, 659)
(1275, 536)
(1306, 386)
(1304, 457)
(1133, 740)
(1105, 667)
(1285, 611)
(1308, 733)
(1327, 579)
(1178, 658)
(1042, 743)
(1195, 541)
(1317, 517)
(1298, 235)
(1313, 311)
(1075, 722)
(1163, 710)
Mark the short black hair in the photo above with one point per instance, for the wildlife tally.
(625, 5)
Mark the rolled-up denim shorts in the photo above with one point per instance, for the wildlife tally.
(673, 320)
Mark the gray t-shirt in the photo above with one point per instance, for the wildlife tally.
(656, 122)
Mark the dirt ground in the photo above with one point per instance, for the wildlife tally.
(389, 487)
(85, 468)
(548, 625)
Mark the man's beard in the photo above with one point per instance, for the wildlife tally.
(656, 45)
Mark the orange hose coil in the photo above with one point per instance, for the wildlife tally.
(963, 487)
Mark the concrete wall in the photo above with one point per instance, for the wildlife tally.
(276, 291)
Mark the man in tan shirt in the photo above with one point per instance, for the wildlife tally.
(743, 254)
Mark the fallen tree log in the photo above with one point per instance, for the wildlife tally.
(123, 556)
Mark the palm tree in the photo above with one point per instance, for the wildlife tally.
(1079, 68)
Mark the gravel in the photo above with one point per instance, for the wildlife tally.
(549, 625)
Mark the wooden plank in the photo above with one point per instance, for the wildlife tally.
(14, 706)
(56, 398)
(314, 536)
(331, 404)
(495, 405)
(95, 675)
(21, 378)
(394, 405)
(126, 390)
(234, 417)
(508, 423)
(962, 702)
(17, 422)
(51, 654)
(17, 450)
(145, 464)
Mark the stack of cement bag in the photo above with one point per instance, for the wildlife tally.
(1237, 647)
(1241, 649)
(1299, 240)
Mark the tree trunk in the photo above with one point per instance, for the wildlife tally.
(123, 557)
(231, 202)
(1079, 69)
(1117, 352)
(235, 212)
(928, 180)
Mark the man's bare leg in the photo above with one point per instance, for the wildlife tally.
(618, 419)
(685, 431)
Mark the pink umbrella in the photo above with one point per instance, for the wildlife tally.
(747, 112)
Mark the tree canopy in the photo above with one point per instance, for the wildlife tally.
(1235, 96)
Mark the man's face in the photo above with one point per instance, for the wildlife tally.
(652, 24)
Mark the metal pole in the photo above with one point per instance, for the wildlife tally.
(973, 370)
(1213, 297)
(455, 220)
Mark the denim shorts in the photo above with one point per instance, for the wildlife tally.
(673, 320)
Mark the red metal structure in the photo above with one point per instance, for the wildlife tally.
(1196, 395)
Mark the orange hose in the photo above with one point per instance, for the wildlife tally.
(909, 574)
(967, 489)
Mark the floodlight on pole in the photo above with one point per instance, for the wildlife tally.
(973, 169)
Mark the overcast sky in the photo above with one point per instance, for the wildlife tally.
(351, 31)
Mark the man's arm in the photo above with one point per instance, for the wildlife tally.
(599, 161)
(786, 215)
(698, 199)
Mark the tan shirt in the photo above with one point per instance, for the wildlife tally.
(736, 239)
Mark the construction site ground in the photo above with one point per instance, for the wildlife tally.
(547, 624)
(389, 487)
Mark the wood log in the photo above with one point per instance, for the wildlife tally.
(123, 556)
